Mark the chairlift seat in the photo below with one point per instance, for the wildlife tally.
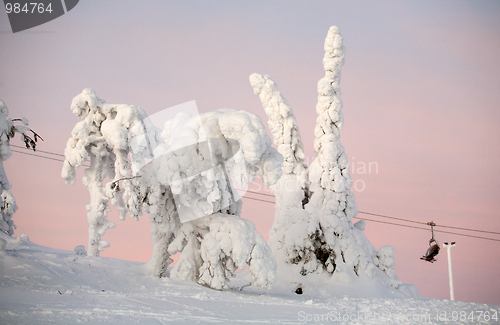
(431, 253)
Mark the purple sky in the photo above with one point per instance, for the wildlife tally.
(421, 93)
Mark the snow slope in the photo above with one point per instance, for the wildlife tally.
(40, 285)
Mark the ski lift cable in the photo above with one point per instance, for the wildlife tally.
(441, 231)
(401, 219)
(425, 223)
(252, 198)
(388, 217)
(398, 224)
(363, 212)
(39, 156)
(392, 223)
(485, 231)
(47, 152)
(31, 154)
(270, 195)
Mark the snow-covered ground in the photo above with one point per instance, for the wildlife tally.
(40, 285)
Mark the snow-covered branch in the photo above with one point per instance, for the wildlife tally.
(283, 126)
(8, 130)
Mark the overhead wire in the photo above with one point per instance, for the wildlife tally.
(30, 153)
(270, 195)
(401, 219)
(47, 152)
(253, 198)
(441, 231)
(398, 224)
(485, 231)
(425, 223)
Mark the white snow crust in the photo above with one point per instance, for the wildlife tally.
(40, 285)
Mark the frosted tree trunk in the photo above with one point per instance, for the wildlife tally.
(97, 210)
(8, 204)
(188, 265)
(160, 259)
(231, 243)
(163, 228)
(124, 196)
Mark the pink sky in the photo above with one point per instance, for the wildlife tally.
(420, 92)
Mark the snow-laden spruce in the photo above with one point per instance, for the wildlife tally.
(313, 231)
(187, 187)
(289, 235)
(107, 134)
(194, 208)
(8, 129)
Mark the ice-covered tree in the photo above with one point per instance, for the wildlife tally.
(194, 208)
(114, 137)
(289, 235)
(8, 130)
(314, 232)
(187, 187)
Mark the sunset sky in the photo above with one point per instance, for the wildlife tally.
(421, 94)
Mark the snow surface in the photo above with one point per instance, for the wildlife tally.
(40, 285)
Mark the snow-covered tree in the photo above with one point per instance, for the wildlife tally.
(313, 230)
(107, 134)
(8, 129)
(289, 235)
(187, 187)
(194, 208)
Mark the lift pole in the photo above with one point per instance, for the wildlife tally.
(450, 271)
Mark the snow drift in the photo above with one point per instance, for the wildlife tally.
(41, 285)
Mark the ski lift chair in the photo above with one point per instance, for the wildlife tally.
(433, 249)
